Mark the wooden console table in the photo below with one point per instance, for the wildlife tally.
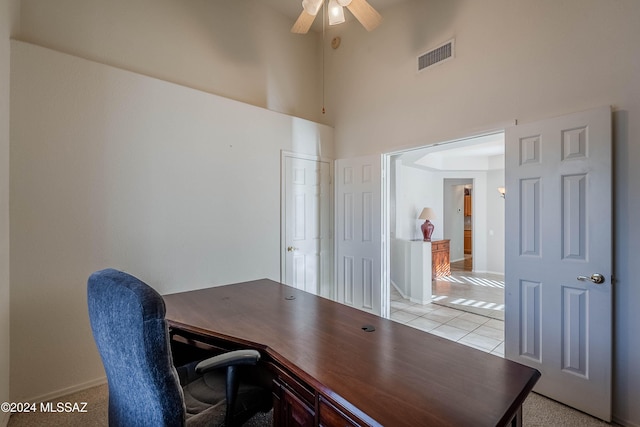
(441, 266)
(336, 365)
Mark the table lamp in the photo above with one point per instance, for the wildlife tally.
(427, 228)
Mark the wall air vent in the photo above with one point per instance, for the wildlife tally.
(436, 56)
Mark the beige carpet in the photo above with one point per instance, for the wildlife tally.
(96, 415)
(537, 411)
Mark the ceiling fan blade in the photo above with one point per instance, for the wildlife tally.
(365, 13)
(303, 23)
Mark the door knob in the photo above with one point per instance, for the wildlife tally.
(596, 278)
(291, 249)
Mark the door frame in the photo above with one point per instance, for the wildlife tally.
(385, 281)
(284, 154)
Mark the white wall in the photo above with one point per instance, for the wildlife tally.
(415, 190)
(242, 50)
(495, 221)
(400, 259)
(412, 190)
(9, 10)
(525, 60)
(110, 168)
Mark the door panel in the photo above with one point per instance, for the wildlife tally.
(558, 212)
(359, 231)
(307, 235)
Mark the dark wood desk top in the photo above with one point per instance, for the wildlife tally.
(394, 376)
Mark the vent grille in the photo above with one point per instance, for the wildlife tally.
(436, 56)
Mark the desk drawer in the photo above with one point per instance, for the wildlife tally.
(440, 245)
(301, 389)
(290, 409)
(330, 416)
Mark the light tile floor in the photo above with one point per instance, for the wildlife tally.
(470, 329)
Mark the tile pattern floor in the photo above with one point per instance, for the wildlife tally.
(479, 293)
(466, 328)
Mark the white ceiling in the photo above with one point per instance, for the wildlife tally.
(469, 154)
(292, 9)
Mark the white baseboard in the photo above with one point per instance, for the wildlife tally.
(68, 390)
(419, 301)
(497, 273)
(399, 290)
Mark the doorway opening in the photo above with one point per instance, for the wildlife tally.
(458, 221)
(459, 180)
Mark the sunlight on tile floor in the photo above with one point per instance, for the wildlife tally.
(470, 329)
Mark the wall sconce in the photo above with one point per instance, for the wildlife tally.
(502, 191)
(427, 228)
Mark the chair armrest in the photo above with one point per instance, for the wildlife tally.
(232, 358)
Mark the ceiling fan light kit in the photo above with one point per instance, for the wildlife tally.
(311, 6)
(336, 13)
(361, 9)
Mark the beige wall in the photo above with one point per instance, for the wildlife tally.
(110, 168)
(121, 141)
(515, 59)
(9, 10)
(519, 59)
(238, 49)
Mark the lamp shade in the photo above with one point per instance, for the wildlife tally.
(427, 213)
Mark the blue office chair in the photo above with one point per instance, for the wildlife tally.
(145, 389)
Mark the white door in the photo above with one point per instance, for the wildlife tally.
(307, 235)
(558, 225)
(359, 233)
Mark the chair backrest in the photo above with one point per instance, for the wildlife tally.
(128, 324)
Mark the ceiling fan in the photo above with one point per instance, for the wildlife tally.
(367, 15)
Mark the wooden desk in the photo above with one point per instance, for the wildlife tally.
(329, 370)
